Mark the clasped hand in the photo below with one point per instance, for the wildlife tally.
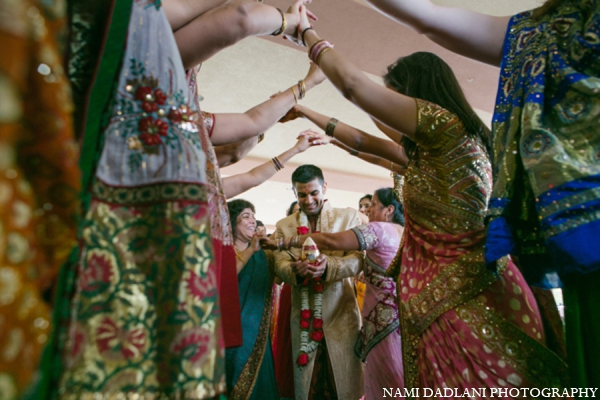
(305, 269)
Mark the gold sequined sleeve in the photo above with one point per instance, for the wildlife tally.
(435, 126)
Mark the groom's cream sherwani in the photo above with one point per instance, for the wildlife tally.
(341, 316)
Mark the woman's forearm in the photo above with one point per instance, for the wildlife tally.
(358, 140)
(231, 128)
(238, 184)
(224, 26)
(242, 258)
(232, 153)
(391, 108)
(346, 241)
(474, 35)
(181, 12)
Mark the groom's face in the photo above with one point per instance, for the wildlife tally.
(311, 196)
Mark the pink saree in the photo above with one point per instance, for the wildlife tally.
(379, 344)
(463, 327)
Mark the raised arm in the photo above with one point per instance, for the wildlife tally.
(237, 184)
(231, 153)
(230, 128)
(474, 35)
(393, 109)
(354, 138)
(223, 26)
(373, 159)
(181, 12)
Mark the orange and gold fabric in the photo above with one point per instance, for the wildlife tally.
(39, 182)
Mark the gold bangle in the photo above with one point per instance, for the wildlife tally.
(302, 88)
(283, 25)
(294, 93)
(261, 137)
(313, 45)
(331, 127)
(321, 54)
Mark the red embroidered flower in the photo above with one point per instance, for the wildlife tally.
(302, 359)
(160, 97)
(305, 314)
(174, 115)
(201, 288)
(317, 323)
(193, 344)
(150, 101)
(97, 274)
(112, 339)
(151, 130)
(182, 113)
(302, 230)
(304, 324)
(142, 92)
(317, 336)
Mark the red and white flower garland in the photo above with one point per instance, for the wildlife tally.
(310, 339)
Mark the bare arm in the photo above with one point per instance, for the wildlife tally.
(393, 109)
(357, 139)
(223, 26)
(237, 184)
(229, 128)
(373, 159)
(474, 35)
(231, 153)
(345, 240)
(181, 12)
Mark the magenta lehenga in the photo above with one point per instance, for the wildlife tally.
(462, 325)
(379, 344)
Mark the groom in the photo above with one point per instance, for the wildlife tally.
(332, 371)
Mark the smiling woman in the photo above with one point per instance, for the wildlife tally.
(249, 368)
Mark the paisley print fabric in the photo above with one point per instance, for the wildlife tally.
(545, 205)
(145, 316)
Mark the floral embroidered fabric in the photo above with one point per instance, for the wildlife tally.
(145, 315)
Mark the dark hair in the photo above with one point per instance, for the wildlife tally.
(426, 76)
(387, 198)
(366, 196)
(259, 223)
(291, 208)
(307, 173)
(235, 208)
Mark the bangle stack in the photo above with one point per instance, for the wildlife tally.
(277, 164)
(318, 49)
(302, 89)
(287, 244)
(331, 127)
(301, 86)
(283, 25)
